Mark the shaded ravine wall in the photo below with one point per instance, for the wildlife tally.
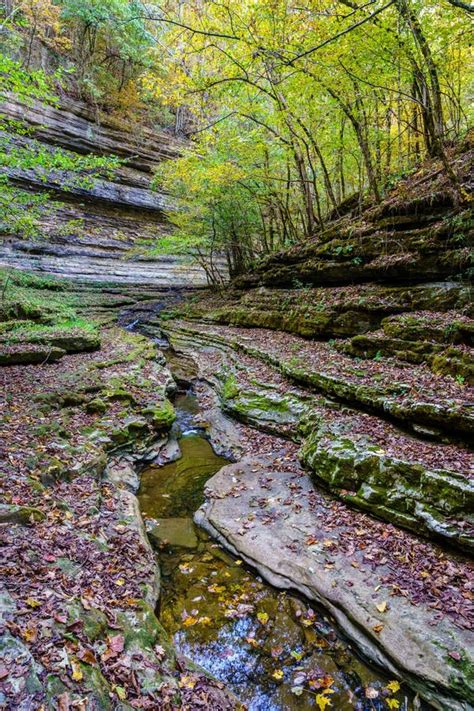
(98, 232)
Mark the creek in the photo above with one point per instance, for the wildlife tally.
(257, 640)
(274, 649)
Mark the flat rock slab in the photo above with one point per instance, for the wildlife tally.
(173, 532)
(264, 514)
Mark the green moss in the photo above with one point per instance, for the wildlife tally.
(120, 394)
(23, 515)
(405, 493)
(161, 415)
(230, 388)
(96, 406)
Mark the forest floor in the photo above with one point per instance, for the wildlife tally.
(78, 621)
(79, 578)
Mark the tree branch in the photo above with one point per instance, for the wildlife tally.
(179, 24)
(462, 5)
(341, 34)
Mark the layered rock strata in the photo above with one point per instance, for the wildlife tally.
(99, 229)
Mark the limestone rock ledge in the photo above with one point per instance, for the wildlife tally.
(99, 230)
(406, 639)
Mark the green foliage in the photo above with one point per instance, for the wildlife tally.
(293, 108)
(215, 211)
(110, 45)
(26, 298)
(35, 309)
(26, 84)
(21, 212)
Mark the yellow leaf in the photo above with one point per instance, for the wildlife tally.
(187, 682)
(262, 617)
(382, 607)
(322, 701)
(393, 704)
(189, 621)
(121, 693)
(32, 602)
(252, 641)
(185, 569)
(277, 674)
(216, 588)
(120, 582)
(29, 634)
(393, 686)
(77, 674)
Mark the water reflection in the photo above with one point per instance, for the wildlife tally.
(271, 648)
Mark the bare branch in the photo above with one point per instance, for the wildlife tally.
(340, 34)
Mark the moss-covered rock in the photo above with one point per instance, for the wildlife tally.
(96, 406)
(23, 515)
(162, 415)
(20, 354)
(408, 493)
(132, 427)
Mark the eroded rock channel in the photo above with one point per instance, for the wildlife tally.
(275, 649)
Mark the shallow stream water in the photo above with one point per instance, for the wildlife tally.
(273, 649)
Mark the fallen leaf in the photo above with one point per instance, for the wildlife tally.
(393, 687)
(187, 682)
(322, 701)
(116, 643)
(252, 641)
(87, 656)
(30, 633)
(371, 693)
(382, 607)
(77, 674)
(31, 602)
(189, 621)
(64, 702)
(121, 693)
(297, 690)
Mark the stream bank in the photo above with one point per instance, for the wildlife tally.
(79, 579)
(274, 650)
(376, 579)
(77, 533)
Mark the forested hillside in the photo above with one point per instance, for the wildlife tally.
(290, 112)
(236, 355)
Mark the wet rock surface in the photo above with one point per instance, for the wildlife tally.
(280, 525)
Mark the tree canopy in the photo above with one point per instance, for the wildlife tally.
(290, 108)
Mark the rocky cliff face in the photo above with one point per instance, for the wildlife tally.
(358, 347)
(99, 229)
